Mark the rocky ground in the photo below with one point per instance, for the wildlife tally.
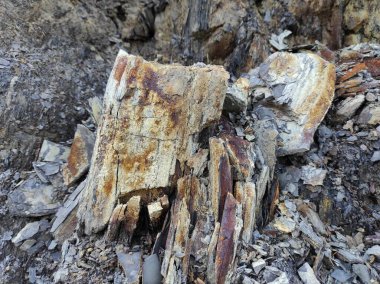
(323, 223)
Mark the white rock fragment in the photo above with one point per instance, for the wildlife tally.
(27, 232)
(307, 275)
(155, 211)
(312, 175)
(361, 270)
(375, 250)
(277, 41)
(348, 107)
(258, 265)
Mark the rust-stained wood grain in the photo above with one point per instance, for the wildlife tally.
(152, 115)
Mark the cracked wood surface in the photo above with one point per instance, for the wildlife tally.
(152, 116)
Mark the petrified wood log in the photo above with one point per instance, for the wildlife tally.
(151, 119)
(149, 142)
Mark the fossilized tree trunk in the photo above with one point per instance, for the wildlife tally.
(152, 116)
(150, 144)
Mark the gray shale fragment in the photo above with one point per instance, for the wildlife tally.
(131, 263)
(33, 198)
(151, 270)
(361, 270)
(53, 152)
(27, 232)
(312, 175)
(69, 205)
(307, 275)
(341, 275)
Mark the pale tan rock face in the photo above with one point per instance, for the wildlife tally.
(302, 89)
(152, 115)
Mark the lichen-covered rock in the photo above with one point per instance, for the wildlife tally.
(152, 115)
(301, 90)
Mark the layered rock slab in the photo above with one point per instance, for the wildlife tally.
(296, 90)
(151, 120)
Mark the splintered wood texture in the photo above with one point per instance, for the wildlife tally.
(220, 176)
(225, 251)
(151, 116)
(188, 212)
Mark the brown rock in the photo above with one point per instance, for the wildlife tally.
(241, 156)
(225, 250)
(80, 155)
(151, 112)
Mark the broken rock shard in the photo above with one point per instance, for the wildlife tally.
(300, 90)
(79, 158)
(152, 115)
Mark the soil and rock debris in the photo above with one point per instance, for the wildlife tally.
(312, 177)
